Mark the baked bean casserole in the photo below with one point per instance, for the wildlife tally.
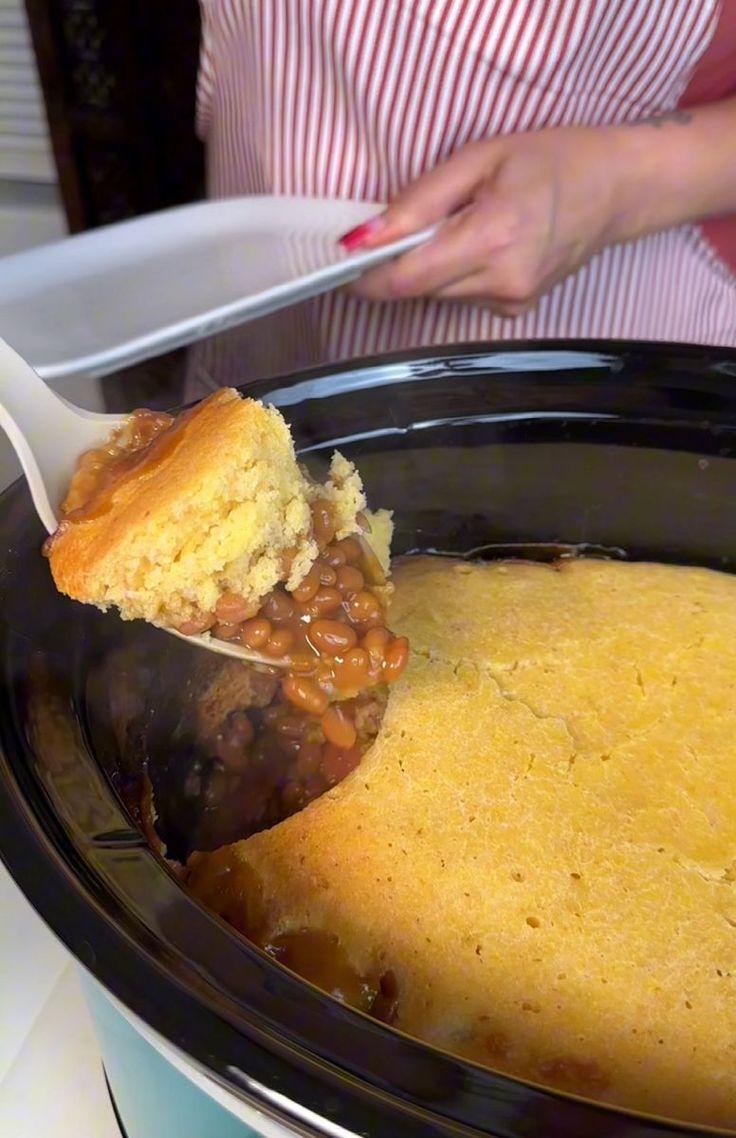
(524, 852)
(534, 864)
(206, 523)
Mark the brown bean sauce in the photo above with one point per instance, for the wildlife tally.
(145, 441)
(331, 630)
(279, 758)
(319, 957)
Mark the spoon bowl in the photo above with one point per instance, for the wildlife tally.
(48, 435)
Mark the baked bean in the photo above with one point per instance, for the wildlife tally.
(272, 715)
(278, 643)
(215, 787)
(233, 751)
(256, 633)
(142, 428)
(376, 642)
(309, 758)
(240, 726)
(308, 586)
(332, 637)
(352, 672)
(292, 726)
(231, 608)
(287, 560)
(226, 631)
(99, 469)
(197, 624)
(352, 549)
(397, 657)
(278, 605)
(288, 747)
(364, 608)
(323, 522)
(303, 662)
(327, 575)
(192, 787)
(334, 556)
(350, 580)
(338, 727)
(92, 459)
(324, 601)
(305, 695)
(337, 762)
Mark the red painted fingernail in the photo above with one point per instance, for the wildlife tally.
(354, 238)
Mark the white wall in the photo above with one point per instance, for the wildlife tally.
(30, 214)
(30, 209)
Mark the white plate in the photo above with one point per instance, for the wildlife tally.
(102, 300)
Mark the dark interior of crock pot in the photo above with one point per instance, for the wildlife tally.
(606, 449)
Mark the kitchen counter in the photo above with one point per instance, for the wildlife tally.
(51, 1077)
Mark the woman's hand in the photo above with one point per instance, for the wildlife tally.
(520, 212)
(517, 212)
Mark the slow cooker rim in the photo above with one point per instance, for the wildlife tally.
(513, 358)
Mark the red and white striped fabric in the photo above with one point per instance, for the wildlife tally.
(355, 98)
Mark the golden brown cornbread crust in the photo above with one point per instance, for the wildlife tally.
(220, 511)
(541, 844)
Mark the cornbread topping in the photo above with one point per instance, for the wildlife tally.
(170, 516)
(537, 855)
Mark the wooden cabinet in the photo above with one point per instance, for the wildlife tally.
(118, 79)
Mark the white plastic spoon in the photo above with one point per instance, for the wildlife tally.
(48, 435)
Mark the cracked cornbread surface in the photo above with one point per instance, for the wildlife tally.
(541, 844)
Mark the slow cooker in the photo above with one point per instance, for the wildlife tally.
(618, 450)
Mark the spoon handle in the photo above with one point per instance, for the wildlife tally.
(45, 432)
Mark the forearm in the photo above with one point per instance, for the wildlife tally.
(676, 168)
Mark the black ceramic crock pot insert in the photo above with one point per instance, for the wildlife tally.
(625, 448)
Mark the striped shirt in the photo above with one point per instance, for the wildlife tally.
(355, 98)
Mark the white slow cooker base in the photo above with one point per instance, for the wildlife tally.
(260, 1121)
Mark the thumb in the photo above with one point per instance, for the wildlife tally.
(433, 197)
